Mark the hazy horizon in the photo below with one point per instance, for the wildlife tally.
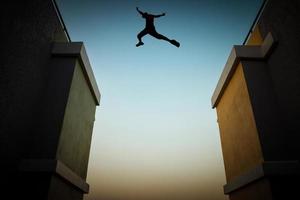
(155, 135)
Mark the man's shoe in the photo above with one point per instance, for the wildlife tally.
(174, 42)
(139, 44)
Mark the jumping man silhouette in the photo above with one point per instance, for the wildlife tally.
(150, 29)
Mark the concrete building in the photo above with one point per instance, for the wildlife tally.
(48, 98)
(257, 100)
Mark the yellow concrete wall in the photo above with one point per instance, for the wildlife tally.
(239, 137)
(255, 37)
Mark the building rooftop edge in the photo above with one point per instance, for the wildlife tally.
(238, 53)
(77, 49)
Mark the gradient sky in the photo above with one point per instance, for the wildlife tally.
(155, 135)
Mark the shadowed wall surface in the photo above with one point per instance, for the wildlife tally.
(48, 99)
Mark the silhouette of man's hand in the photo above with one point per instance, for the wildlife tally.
(163, 14)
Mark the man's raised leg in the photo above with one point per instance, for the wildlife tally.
(162, 37)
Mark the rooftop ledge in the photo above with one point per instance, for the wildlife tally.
(238, 53)
(265, 169)
(76, 49)
(56, 167)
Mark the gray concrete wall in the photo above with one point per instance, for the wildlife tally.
(47, 106)
(28, 30)
(54, 102)
(76, 133)
(61, 190)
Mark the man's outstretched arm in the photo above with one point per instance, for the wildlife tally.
(160, 15)
(139, 11)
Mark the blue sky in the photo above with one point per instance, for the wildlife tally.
(155, 134)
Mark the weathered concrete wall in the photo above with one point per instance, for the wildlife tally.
(239, 137)
(75, 137)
